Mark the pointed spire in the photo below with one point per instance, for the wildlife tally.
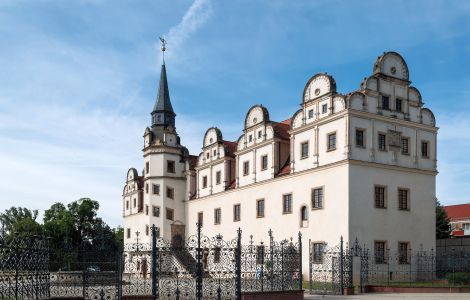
(163, 98)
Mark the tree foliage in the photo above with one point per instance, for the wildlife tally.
(442, 222)
(71, 230)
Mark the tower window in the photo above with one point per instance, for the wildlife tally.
(218, 176)
(260, 134)
(250, 138)
(304, 213)
(146, 188)
(147, 167)
(170, 214)
(170, 192)
(135, 202)
(204, 182)
(156, 189)
(170, 166)
(156, 211)
(127, 204)
(324, 108)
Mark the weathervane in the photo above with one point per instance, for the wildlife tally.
(163, 47)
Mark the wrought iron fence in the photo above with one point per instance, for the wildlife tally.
(198, 267)
(24, 270)
(334, 269)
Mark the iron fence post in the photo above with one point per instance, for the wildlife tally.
(282, 266)
(432, 266)
(300, 276)
(198, 264)
(238, 265)
(310, 269)
(271, 257)
(341, 261)
(155, 282)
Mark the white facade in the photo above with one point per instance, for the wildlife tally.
(360, 165)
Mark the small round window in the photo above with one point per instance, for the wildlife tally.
(317, 92)
(210, 140)
(255, 120)
(393, 70)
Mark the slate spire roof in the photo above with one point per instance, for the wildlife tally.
(163, 102)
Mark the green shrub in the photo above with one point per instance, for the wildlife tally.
(457, 278)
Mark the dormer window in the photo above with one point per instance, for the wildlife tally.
(398, 105)
(260, 133)
(385, 102)
(310, 114)
(324, 108)
(250, 138)
(207, 155)
(215, 152)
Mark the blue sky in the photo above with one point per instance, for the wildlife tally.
(78, 80)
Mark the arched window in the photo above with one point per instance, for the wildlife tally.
(304, 213)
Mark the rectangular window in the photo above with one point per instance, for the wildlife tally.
(204, 182)
(200, 218)
(207, 155)
(403, 199)
(236, 212)
(324, 108)
(260, 208)
(217, 215)
(146, 188)
(385, 102)
(260, 255)
(310, 113)
(135, 202)
(382, 140)
(332, 141)
(170, 166)
(379, 251)
(260, 134)
(246, 168)
(147, 230)
(127, 204)
(403, 253)
(157, 231)
(287, 204)
(170, 214)
(318, 251)
(317, 198)
(405, 146)
(170, 192)
(156, 189)
(128, 233)
(380, 197)
(424, 149)
(398, 106)
(147, 167)
(156, 211)
(264, 162)
(360, 138)
(250, 138)
(304, 150)
(146, 210)
(218, 176)
(215, 152)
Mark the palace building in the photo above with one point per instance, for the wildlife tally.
(360, 165)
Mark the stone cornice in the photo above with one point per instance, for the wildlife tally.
(164, 177)
(257, 146)
(161, 149)
(321, 121)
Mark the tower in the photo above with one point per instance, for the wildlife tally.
(162, 186)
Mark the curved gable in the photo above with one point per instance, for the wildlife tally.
(319, 85)
(392, 64)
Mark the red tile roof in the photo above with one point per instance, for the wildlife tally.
(281, 129)
(231, 147)
(285, 169)
(193, 159)
(232, 185)
(458, 212)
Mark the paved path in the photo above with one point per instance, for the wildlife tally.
(376, 296)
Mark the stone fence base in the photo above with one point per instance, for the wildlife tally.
(273, 295)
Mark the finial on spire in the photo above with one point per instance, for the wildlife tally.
(163, 47)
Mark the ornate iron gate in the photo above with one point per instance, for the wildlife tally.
(102, 274)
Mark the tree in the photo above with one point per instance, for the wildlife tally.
(442, 222)
(20, 220)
